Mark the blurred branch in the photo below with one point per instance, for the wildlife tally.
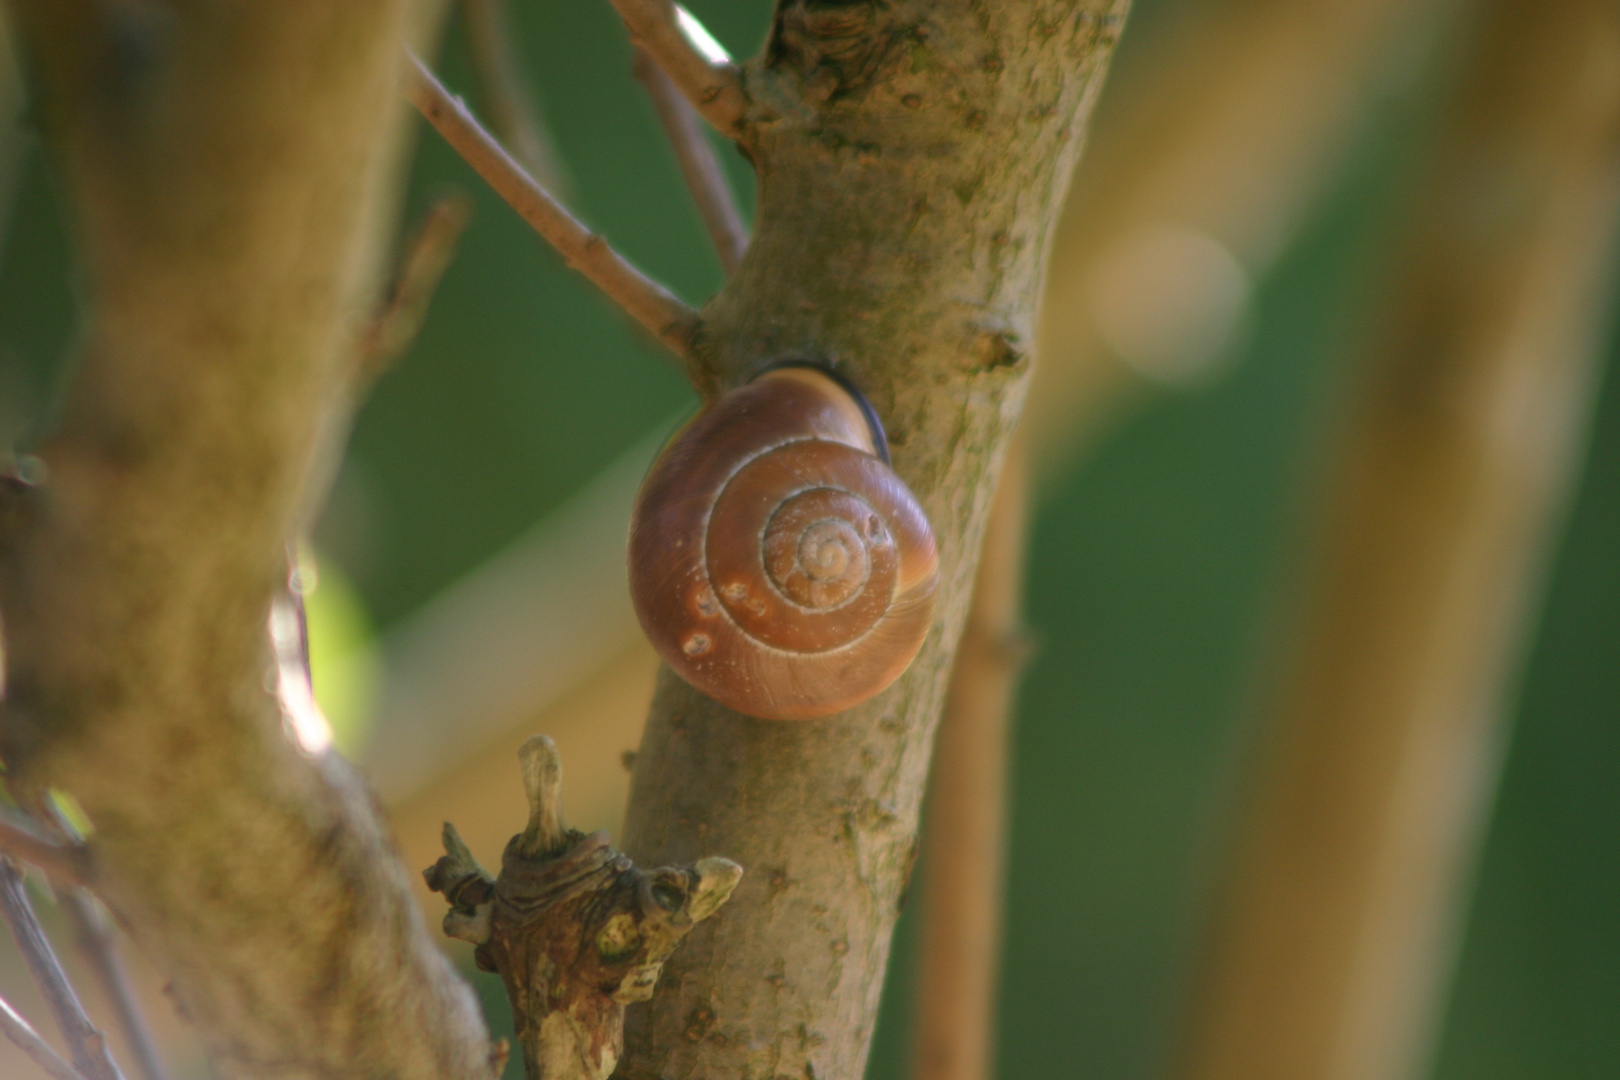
(100, 945)
(699, 165)
(428, 254)
(228, 218)
(1341, 918)
(27, 1039)
(511, 637)
(697, 67)
(964, 828)
(646, 301)
(99, 942)
(503, 91)
(64, 864)
(1201, 170)
(12, 103)
(86, 1044)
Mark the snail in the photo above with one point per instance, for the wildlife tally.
(777, 562)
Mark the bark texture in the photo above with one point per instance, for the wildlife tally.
(229, 165)
(912, 160)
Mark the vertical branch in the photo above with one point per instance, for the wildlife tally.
(964, 824)
(917, 268)
(699, 166)
(228, 180)
(86, 1044)
(1335, 942)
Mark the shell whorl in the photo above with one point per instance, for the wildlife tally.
(777, 563)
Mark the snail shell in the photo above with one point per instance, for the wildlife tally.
(777, 563)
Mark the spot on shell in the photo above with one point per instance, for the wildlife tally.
(696, 644)
(706, 603)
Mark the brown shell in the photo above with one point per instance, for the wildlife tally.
(776, 562)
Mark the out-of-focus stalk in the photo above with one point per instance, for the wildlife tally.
(1334, 944)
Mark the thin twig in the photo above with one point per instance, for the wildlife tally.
(28, 1040)
(700, 70)
(100, 945)
(965, 827)
(502, 91)
(87, 1044)
(64, 864)
(427, 256)
(646, 301)
(699, 165)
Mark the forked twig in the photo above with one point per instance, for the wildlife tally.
(646, 301)
(29, 1042)
(696, 64)
(502, 93)
(699, 165)
(85, 1042)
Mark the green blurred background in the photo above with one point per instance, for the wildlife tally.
(1157, 569)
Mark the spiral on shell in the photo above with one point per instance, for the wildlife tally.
(777, 563)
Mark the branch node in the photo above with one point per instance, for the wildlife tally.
(466, 885)
(574, 928)
(547, 834)
(694, 61)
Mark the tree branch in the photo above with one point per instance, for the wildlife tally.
(230, 181)
(64, 864)
(696, 66)
(428, 254)
(699, 166)
(1336, 935)
(100, 944)
(28, 1041)
(503, 93)
(918, 272)
(86, 1044)
(642, 298)
(964, 828)
(575, 931)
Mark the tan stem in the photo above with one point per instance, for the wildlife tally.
(700, 168)
(964, 826)
(642, 298)
(65, 864)
(86, 1043)
(18, 1030)
(714, 89)
(504, 94)
(1453, 468)
(428, 253)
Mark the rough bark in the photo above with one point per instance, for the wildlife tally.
(228, 165)
(1453, 468)
(912, 160)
